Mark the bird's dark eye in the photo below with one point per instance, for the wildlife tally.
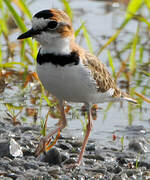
(52, 25)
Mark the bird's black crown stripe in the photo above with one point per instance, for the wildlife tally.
(46, 14)
(58, 60)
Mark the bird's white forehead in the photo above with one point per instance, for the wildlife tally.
(39, 23)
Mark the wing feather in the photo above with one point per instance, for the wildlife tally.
(100, 74)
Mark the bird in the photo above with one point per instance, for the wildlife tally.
(68, 71)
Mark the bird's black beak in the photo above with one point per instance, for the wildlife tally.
(27, 34)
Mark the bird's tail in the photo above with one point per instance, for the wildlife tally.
(127, 97)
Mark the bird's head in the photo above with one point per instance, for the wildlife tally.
(49, 27)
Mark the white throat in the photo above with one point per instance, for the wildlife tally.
(53, 43)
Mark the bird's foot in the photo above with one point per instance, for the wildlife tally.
(46, 144)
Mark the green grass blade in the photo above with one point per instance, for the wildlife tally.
(22, 51)
(1, 5)
(130, 115)
(107, 109)
(132, 64)
(142, 19)
(21, 4)
(50, 104)
(133, 7)
(12, 65)
(141, 54)
(67, 8)
(112, 38)
(87, 38)
(1, 55)
(147, 2)
(19, 23)
(35, 49)
(111, 62)
(79, 29)
(122, 143)
(10, 108)
(146, 73)
(15, 15)
(3, 26)
(126, 47)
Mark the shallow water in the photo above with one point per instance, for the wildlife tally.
(99, 23)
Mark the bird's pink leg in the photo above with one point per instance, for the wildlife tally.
(42, 145)
(89, 127)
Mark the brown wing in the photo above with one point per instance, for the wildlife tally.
(100, 74)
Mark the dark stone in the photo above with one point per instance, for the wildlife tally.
(121, 161)
(69, 161)
(142, 164)
(117, 170)
(129, 173)
(137, 146)
(98, 169)
(6, 178)
(29, 128)
(30, 165)
(89, 161)
(27, 152)
(54, 170)
(4, 148)
(90, 147)
(65, 146)
(53, 156)
(10, 148)
(99, 157)
(116, 177)
(76, 143)
(110, 168)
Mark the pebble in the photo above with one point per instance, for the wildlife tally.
(30, 165)
(6, 178)
(4, 148)
(10, 148)
(54, 170)
(69, 161)
(116, 177)
(117, 170)
(76, 143)
(64, 156)
(121, 161)
(65, 146)
(123, 176)
(15, 149)
(97, 170)
(53, 157)
(99, 157)
(138, 146)
(89, 161)
(90, 147)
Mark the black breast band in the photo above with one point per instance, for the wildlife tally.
(58, 60)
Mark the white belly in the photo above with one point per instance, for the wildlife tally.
(71, 83)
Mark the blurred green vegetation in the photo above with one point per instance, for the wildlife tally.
(14, 14)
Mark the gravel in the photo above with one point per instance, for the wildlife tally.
(18, 162)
